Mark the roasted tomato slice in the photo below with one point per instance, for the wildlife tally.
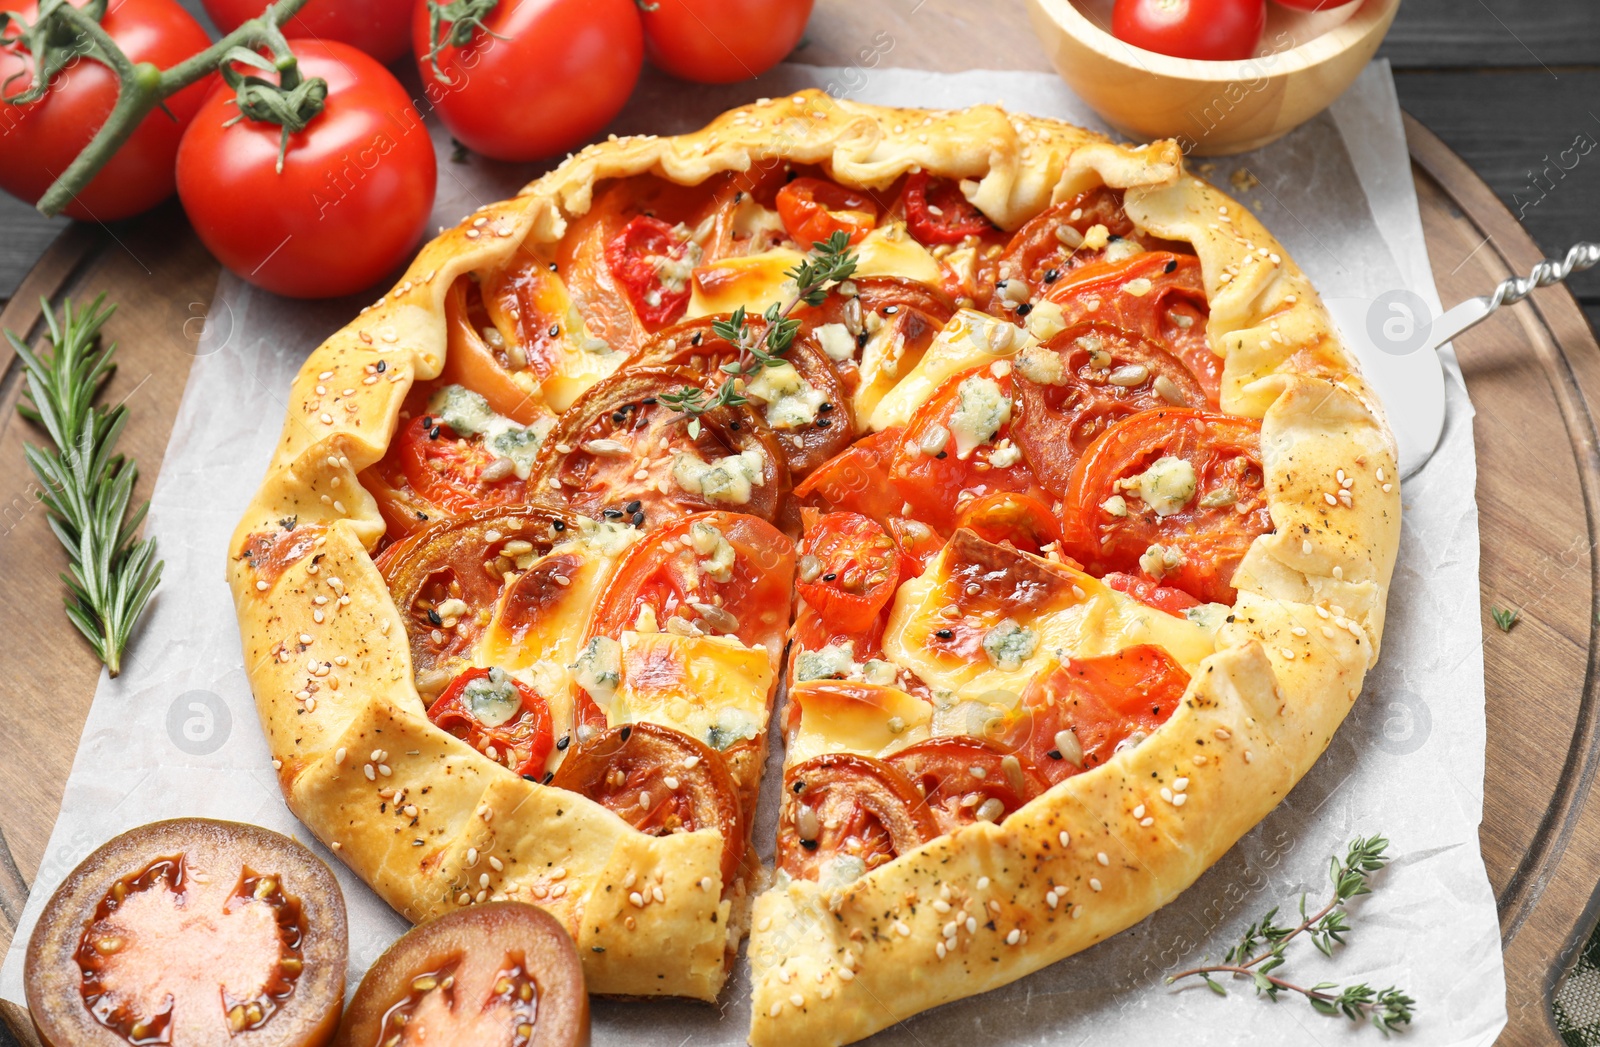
(937, 212)
(190, 932)
(803, 401)
(652, 262)
(1053, 243)
(1158, 296)
(513, 963)
(844, 815)
(659, 781)
(813, 209)
(964, 780)
(622, 454)
(1161, 597)
(1176, 495)
(730, 574)
(499, 716)
(1079, 384)
(1082, 710)
(500, 343)
(849, 569)
(1006, 516)
(957, 448)
(858, 479)
(447, 579)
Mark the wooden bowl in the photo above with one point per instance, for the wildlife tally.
(1304, 61)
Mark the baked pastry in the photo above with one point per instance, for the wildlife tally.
(1096, 519)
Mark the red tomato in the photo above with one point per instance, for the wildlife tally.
(937, 213)
(964, 780)
(446, 470)
(513, 303)
(1314, 5)
(499, 716)
(637, 256)
(1211, 30)
(1006, 516)
(1209, 532)
(1161, 597)
(351, 202)
(843, 805)
(538, 78)
(39, 140)
(813, 209)
(1084, 708)
(857, 480)
(854, 570)
(721, 41)
(381, 28)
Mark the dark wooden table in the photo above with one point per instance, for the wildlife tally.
(1509, 84)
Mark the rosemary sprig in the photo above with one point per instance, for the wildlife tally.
(86, 487)
(1505, 617)
(830, 262)
(1260, 950)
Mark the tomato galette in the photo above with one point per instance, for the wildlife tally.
(1025, 463)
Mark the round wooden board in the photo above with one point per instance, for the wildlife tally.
(1533, 372)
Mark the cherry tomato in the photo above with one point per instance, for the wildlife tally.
(849, 569)
(1209, 30)
(659, 781)
(40, 139)
(537, 78)
(676, 572)
(521, 955)
(938, 213)
(1161, 597)
(1192, 543)
(851, 807)
(813, 209)
(499, 716)
(136, 947)
(351, 202)
(381, 28)
(964, 780)
(722, 41)
(1083, 709)
(513, 306)
(639, 257)
(1006, 516)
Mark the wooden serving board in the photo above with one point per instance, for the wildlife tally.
(1533, 372)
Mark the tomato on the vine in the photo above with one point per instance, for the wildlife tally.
(537, 78)
(722, 41)
(41, 138)
(381, 28)
(354, 194)
(1210, 30)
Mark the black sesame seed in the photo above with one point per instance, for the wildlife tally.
(1052, 275)
(738, 197)
(1172, 264)
(558, 525)
(861, 340)
(945, 634)
(695, 339)
(825, 407)
(638, 519)
(530, 777)
(942, 455)
(433, 616)
(830, 576)
(427, 421)
(1055, 754)
(547, 776)
(633, 506)
(823, 423)
(618, 417)
(649, 401)
(420, 515)
(555, 330)
(799, 787)
(383, 365)
(611, 514)
(733, 425)
(597, 948)
(562, 742)
(890, 310)
(1113, 238)
(809, 845)
(1025, 308)
(626, 730)
(552, 267)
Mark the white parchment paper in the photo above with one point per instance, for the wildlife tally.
(177, 733)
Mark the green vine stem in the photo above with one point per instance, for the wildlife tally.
(65, 32)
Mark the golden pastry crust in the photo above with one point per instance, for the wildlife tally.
(1069, 869)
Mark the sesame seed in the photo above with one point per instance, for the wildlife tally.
(1179, 784)
(483, 879)
(496, 864)
(338, 756)
(1222, 733)
(372, 775)
(1147, 822)
(1065, 838)
(1138, 812)
(901, 929)
(1330, 499)
(777, 1009)
(1178, 800)
(1166, 794)
(261, 587)
(637, 899)
(797, 1000)
(845, 973)
(972, 925)
(1247, 756)
(1094, 883)
(940, 950)
(983, 883)
(1077, 911)
(951, 929)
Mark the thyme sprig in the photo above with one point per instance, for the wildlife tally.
(829, 263)
(1505, 617)
(86, 487)
(1261, 948)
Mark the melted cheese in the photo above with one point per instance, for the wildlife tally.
(1100, 621)
(582, 360)
(855, 717)
(712, 688)
(753, 281)
(888, 251)
(971, 339)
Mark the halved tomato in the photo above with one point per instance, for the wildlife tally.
(1103, 376)
(858, 479)
(850, 812)
(1084, 709)
(805, 404)
(448, 578)
(957, 448)
(964, 780)
(1203, 471)
(938, 213)
(813, 209)
(620, 453)
(190, 931)
(1007, 516)
(651, 260)
(1161, 597)
(500, 327)
(1157, 296)
(659, 781)
(499, 716)
(514, 962)
(849, 570)
(731, 574)
(1051, 244)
